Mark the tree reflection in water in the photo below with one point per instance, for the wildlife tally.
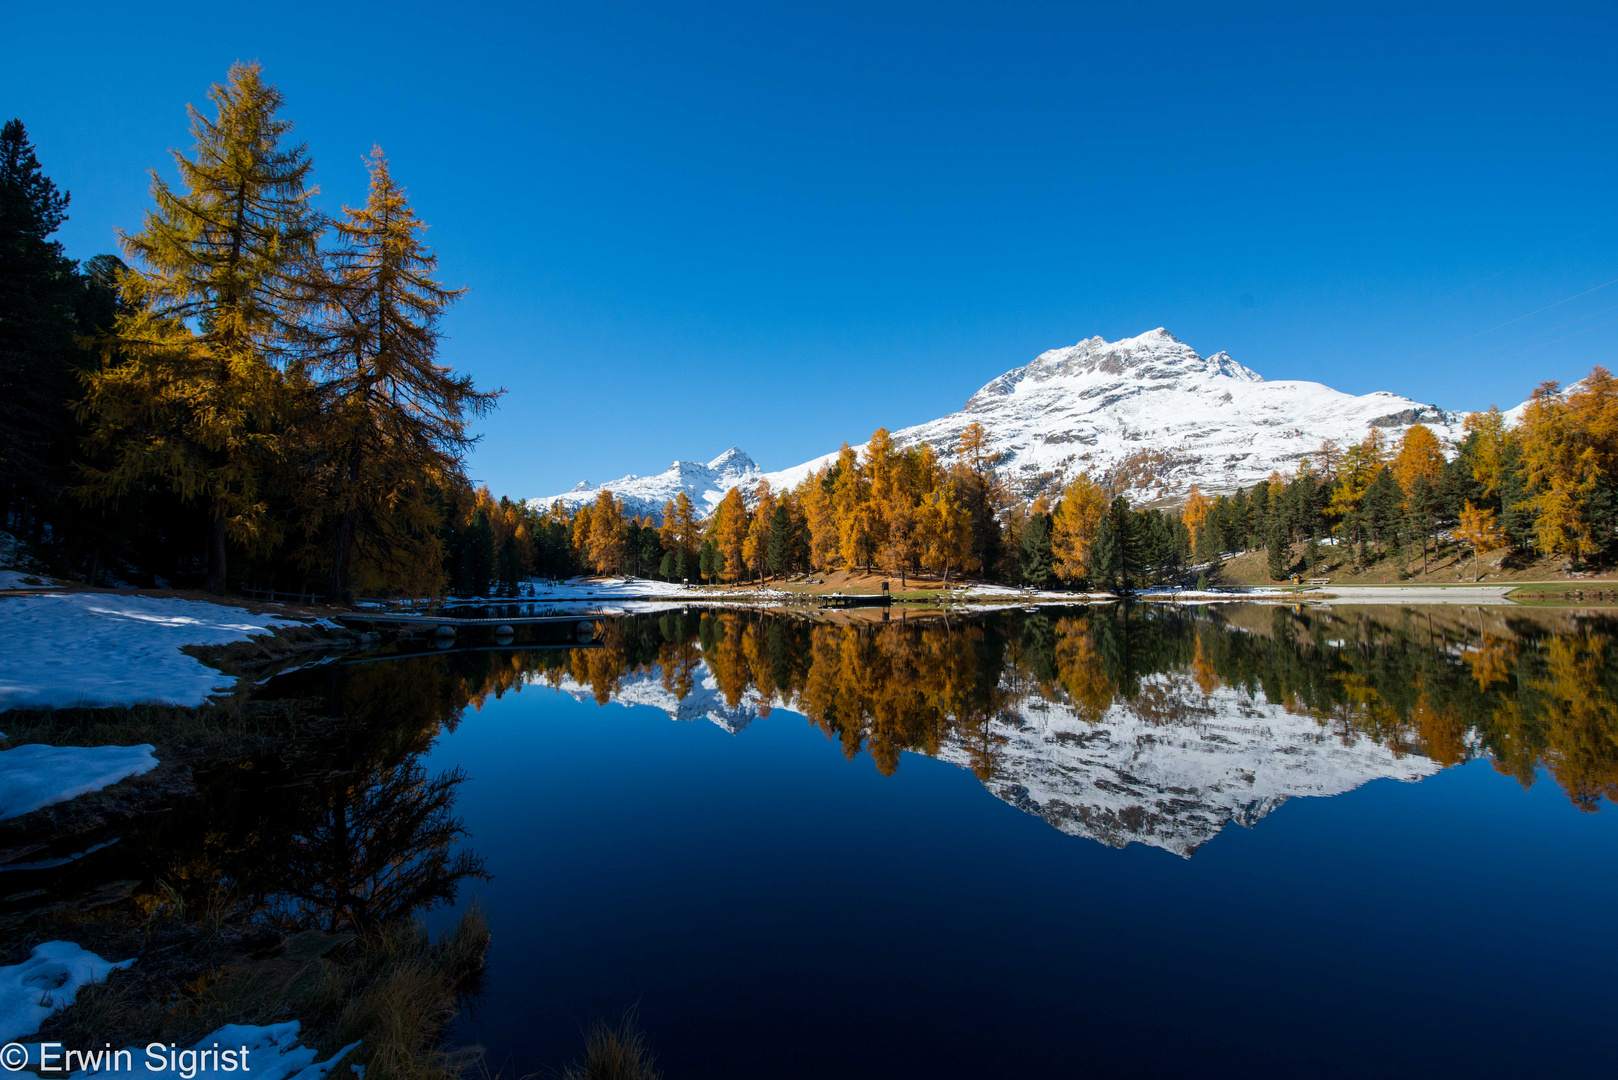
(342, 833)
(1146, 724)
(1530, 691)
(378, 836)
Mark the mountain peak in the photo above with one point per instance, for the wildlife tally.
(1155, 356)
(733, 462)
(1148, 414)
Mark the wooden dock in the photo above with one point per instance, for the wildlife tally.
(403, 619)
(848, 600)
(448, 626)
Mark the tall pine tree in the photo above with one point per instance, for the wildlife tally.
(38, 290)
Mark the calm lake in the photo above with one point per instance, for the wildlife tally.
(1227, 840)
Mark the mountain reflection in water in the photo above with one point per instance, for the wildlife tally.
(715, 878)
(1147, 724)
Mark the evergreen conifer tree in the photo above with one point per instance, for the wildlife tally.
(508, 567)
(1104, 556)
(38, 290)
(711, 561)
(1035, 562)
(1277, 562)
(1125, 541)
(477, 556)
(650, 551)
(780, 545)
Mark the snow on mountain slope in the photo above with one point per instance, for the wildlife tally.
(705, 484)
(1148, 410)
(1169, 770)
(1152, 409)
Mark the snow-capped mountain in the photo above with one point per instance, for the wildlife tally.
(1148, 411)
(1152, 412)
(641, 495)
(1170, 770)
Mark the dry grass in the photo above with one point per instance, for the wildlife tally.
(615, 1052)
(1451, 566)
(392, 989)
(398, 993)
(228, 728)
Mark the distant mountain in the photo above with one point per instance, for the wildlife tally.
(641, 495)
(1154, 414)
(1148, 411)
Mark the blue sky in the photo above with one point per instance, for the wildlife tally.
(779, 226)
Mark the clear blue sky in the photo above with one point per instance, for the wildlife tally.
(691, 225)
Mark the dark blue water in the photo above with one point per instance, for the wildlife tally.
(772, 909)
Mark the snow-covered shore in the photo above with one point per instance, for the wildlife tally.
(45, 983)
(34, 776)
(111, 649)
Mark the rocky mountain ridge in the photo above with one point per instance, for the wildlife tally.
(1148, 412)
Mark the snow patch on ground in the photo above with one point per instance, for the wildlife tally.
(606, 588)
(46, 982)
(18, 579)
(113, 649)
(34, 776)
(273, 1053)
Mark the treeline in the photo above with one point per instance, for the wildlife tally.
(900, 511)
(1544, 487)
(252, 395)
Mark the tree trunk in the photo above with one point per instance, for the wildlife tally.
(339, 555)
(216, 554)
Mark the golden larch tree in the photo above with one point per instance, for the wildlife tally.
(819, 511)
(730, 532)
(1196, 508)
(190, 392)
(609, 534)
(756, 545)
(1419, 457)
(1478, 530)
(391, 421)
(1073, 527)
